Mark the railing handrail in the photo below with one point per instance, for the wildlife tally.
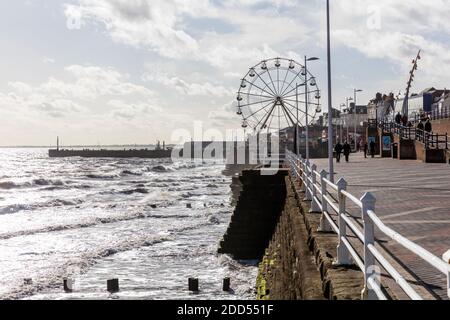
(305, 171)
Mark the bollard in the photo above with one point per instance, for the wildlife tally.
(68, 285)
(193, 284)
(226, 284)
(112, 285)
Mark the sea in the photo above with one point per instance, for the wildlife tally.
(152, 224)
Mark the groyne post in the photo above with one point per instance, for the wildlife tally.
(112, 285)
(315, 208)
(193, 284)
(343, 255)
(368, 204)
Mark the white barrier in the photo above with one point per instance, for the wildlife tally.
(320, 192)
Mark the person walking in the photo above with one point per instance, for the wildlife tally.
(404, 120)
(428, 126)
(372, 148)
(347, 149)
(420, 130)
(398, 118)
(338, 150)
(366, 149)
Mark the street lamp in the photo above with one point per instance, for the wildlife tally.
(306, 105)
(347, 117)
(355, 91)
(330, 102)
(341, 122)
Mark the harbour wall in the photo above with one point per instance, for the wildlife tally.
(272, 224)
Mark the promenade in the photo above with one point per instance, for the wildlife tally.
(413, 198)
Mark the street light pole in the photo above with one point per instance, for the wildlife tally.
(306, 107)
(354, 114)
(330, 113)
(347, 118)
(297, 146)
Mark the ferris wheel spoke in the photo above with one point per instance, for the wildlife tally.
(299, 110)
(300, 94)
(267, 85)
(271, 81)
(253, 103)
(258, 95)
(287, 114)
(309, 103)
(293, 79)
(284, 81)
(268, 115)
(262, 118)
(259, 110)
(293, 89)
(254, 85)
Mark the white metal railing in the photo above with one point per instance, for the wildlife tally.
(330, 199)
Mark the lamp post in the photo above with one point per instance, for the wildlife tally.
(306, 107)
(306, 104)
(355, 91)
(347, 118)
(341, 122)
(330, 102)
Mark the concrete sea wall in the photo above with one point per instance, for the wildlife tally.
(272, 224)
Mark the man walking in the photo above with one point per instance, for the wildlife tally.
(372, 148)
(338, 150)
(347, 149)
(366, 149)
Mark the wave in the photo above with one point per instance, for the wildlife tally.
(159, 169)
(137, 190)
(8, 185)
(80, 264)
(15, 208)
(83, 225)
(102, 176)
(131, 173)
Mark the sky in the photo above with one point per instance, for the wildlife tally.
(135, 71)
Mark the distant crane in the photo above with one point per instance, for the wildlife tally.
(415, 62)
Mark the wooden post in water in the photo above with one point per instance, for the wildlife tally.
(112, 285)
(68, 285)
(193, 285)
(226, 284)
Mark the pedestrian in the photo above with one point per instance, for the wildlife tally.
(404, 120)
(347, 149)
(338, 150)
(420, 126)
(398, 118)
(372, 148)
(428, 126)
(366, 149)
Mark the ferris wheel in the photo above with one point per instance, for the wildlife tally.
(272, 96)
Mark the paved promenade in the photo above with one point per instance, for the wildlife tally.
(413, 198)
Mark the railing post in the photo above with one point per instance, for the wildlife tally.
(446, 258)
(315, 208)
(368, 204)
(303, 175)
(324, 225)
(308, 195)
(343, 255)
